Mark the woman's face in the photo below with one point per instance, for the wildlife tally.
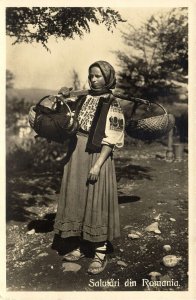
(96, 78)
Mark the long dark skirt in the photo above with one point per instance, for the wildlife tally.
(89, 211)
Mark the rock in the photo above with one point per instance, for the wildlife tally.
(172, 233)
(153, 227)
(172, 219)
(159, 238)
(171, 260)
(154, 275)
(121, 250)
(136, 233)
(71, 267)
(127, 226)
(43, 254)
(121, 263)
(167, 248)
(32, 231)
(133, 236)
(157, 218)
(143, 249)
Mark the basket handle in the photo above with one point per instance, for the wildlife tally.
(149, 104)
(138, 101)
(59, 98)
(161, 106)
(137, 104)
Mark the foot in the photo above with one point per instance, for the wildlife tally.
(98, 264)
(74, 255)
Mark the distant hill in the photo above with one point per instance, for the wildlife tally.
(32, 95)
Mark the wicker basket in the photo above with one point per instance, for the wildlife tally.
(151, 128)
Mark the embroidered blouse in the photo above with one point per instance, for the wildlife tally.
(115, 123)
(86, 114)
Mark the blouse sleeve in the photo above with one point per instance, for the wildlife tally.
(115, 125)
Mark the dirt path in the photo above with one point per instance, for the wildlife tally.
(150, 190)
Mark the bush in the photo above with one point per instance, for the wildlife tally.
(35, 154)
(23, 150)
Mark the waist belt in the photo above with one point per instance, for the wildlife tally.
(82, 132)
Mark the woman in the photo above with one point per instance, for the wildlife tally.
(88, 202)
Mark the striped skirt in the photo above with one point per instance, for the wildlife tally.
(89, 211)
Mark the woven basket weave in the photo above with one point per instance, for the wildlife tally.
(152, 127)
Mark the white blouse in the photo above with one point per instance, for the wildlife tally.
(115, 126)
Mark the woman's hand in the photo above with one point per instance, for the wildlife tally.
(32, 116)
(94, 174)
(65, 91)
(95, 170)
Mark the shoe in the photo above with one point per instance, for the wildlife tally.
(98, 264)
(74, 255)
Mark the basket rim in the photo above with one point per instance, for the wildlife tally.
(153, 117)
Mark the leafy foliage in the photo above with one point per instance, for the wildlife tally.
(76, 80)
(157, 55)
(15, 109)
(9, 79)
(33, 154)
(37, 24)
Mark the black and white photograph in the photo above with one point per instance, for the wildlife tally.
(98, 146)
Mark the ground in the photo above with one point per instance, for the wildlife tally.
(151, 190)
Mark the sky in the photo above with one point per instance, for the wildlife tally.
(34, 67)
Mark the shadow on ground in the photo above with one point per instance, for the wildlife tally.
(127, 199)
(27, 191)
(43, 226)
(46, 224)
(132, 172)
